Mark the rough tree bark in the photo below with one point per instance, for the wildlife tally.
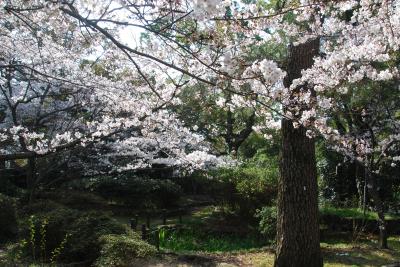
(298, 224)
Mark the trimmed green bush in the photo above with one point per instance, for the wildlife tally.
(85, 233)
(122, 250)
(77, 232)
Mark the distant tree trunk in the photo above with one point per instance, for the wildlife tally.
(379, 208)
(31, 178)
(234, 139)
(298, 224)
(361, 188)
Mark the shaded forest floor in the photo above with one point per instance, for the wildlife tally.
(336, 253)
(206, 235)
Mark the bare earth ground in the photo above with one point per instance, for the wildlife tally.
(248, 259)
(336, 254)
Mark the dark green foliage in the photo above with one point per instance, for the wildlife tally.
(138, 192)
(338, 183)
(39, 206)
(256, 146)
(122, 250)
(80, 200)
(199, 111)
(8, 218)
(267, 225)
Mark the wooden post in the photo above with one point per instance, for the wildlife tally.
(164, 216)
(180, 215)
(2, 164)
(148, 219)
(134, 222)
(157, 233)
(31, 177)
(144, 232)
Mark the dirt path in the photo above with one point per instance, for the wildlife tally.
(249, 259)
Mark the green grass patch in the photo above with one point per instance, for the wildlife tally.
(193, 240)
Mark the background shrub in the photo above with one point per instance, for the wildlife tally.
(80, 200)
(11, 183)
(38, 207)
(248, 187)
(138, 192)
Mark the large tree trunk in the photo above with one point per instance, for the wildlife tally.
(298, 223)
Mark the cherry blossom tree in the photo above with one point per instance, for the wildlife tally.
(62, 89)
(351, 44)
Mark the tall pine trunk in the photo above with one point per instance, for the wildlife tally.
(298, 223)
